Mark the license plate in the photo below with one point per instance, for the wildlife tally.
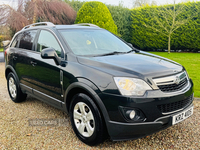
(182, 116)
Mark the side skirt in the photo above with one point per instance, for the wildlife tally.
(41, 96)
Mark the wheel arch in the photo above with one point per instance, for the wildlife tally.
(79, 87)
(11, 69)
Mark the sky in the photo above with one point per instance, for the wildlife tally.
(126, 3)
(129, 3)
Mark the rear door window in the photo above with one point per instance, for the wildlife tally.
(16, 41)
(27, 38)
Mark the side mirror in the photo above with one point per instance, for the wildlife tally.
(50, 53)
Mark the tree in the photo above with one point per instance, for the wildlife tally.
(166, 20)
(3, 13)
(31, 11)
(54, 11)
(96, 13)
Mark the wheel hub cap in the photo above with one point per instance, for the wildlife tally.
(12, 87)
(84, 119)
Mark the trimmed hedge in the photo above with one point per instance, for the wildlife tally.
(186, 38)
(96, 13)
(142, 37)
(122, 18)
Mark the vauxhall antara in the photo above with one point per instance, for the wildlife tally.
(108, 87)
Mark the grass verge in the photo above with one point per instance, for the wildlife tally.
(1, 49)
(191, 62)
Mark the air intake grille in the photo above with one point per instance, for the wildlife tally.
(170, 107)
(174, 87)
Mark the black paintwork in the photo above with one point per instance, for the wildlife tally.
(55, 79)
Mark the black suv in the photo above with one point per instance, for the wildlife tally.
(106, 85)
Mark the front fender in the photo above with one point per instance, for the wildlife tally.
(90, 88)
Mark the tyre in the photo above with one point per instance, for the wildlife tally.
(86, 120)
(14, 89)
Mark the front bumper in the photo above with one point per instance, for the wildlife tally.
(119, 128)
(128, 131)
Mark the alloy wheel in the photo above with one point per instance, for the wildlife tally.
(84, 119)
(12, 87)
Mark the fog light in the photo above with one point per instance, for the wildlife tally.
(131, 114)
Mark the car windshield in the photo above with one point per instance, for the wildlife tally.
(94, 42)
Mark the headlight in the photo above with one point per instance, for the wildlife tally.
(131, 86)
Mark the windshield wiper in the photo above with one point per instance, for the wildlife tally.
(116, 52)
(112, 53)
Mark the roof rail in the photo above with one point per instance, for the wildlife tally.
(87, 24)
(38, 24)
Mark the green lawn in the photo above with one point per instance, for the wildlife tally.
(191, 61)
(1, 49)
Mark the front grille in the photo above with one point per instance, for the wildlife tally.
(174, 87)
(170, 107)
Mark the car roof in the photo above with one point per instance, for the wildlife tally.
(45, 25)
(74, 27)
(51, 25)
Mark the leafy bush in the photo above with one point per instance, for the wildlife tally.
(1, 39)
(96, 13)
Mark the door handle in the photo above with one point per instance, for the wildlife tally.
(14, 58)
(33, 63)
